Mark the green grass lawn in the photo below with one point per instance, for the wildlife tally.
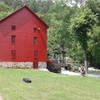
(47, 86)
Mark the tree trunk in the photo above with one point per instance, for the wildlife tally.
(63, 57)
(86, 65)
(86, 61)
(90, 58)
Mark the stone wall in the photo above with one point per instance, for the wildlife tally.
(26, 65)
(42, 64)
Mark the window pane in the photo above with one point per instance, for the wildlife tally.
(13, 39)
(35, 40)
(13, 27)
(35, 29)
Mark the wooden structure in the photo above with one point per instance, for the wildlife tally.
(23, 38)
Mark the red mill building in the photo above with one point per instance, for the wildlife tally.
(23, 38)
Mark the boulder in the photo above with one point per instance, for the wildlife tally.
(27, 80)
(53, 67)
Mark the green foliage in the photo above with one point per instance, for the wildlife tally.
(94, 41)
(4, 10)
(59, 32)
(95, 8)
(82, 24)
(94, 45)
(14, 4)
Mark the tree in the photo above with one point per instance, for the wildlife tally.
(4, 10)
(59, 29)
(81, 25)
(94, 5)
(14, 4)
(94, 46)
(94, 35)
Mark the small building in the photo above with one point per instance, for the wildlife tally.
(23, 38)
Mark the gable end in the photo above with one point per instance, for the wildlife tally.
(29, 11)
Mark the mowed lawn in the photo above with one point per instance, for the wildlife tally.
(47, 86)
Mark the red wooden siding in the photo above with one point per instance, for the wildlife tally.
(17, 33)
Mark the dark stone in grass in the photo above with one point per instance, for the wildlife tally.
(27, 80)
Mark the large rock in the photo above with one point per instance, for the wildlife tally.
(53, 67)
(71, 67)
(68, 67)
(27, 80)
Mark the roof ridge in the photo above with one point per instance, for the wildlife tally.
(25, 6)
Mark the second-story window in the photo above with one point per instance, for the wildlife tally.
(35, 40)
(35, 29)
(13, 27)
(13, 39)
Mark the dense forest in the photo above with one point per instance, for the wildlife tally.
(74, 27)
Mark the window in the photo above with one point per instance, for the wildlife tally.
(13, 27)
(35, 29)
(13, 54)
(35, 53)
(13, 39)
(35, 40)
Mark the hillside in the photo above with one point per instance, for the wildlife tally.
(47, 86)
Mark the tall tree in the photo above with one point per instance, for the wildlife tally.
(81, 25)
(94, 43)
(59, 30)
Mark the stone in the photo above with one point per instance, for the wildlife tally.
(27, 80)
(54, 67)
